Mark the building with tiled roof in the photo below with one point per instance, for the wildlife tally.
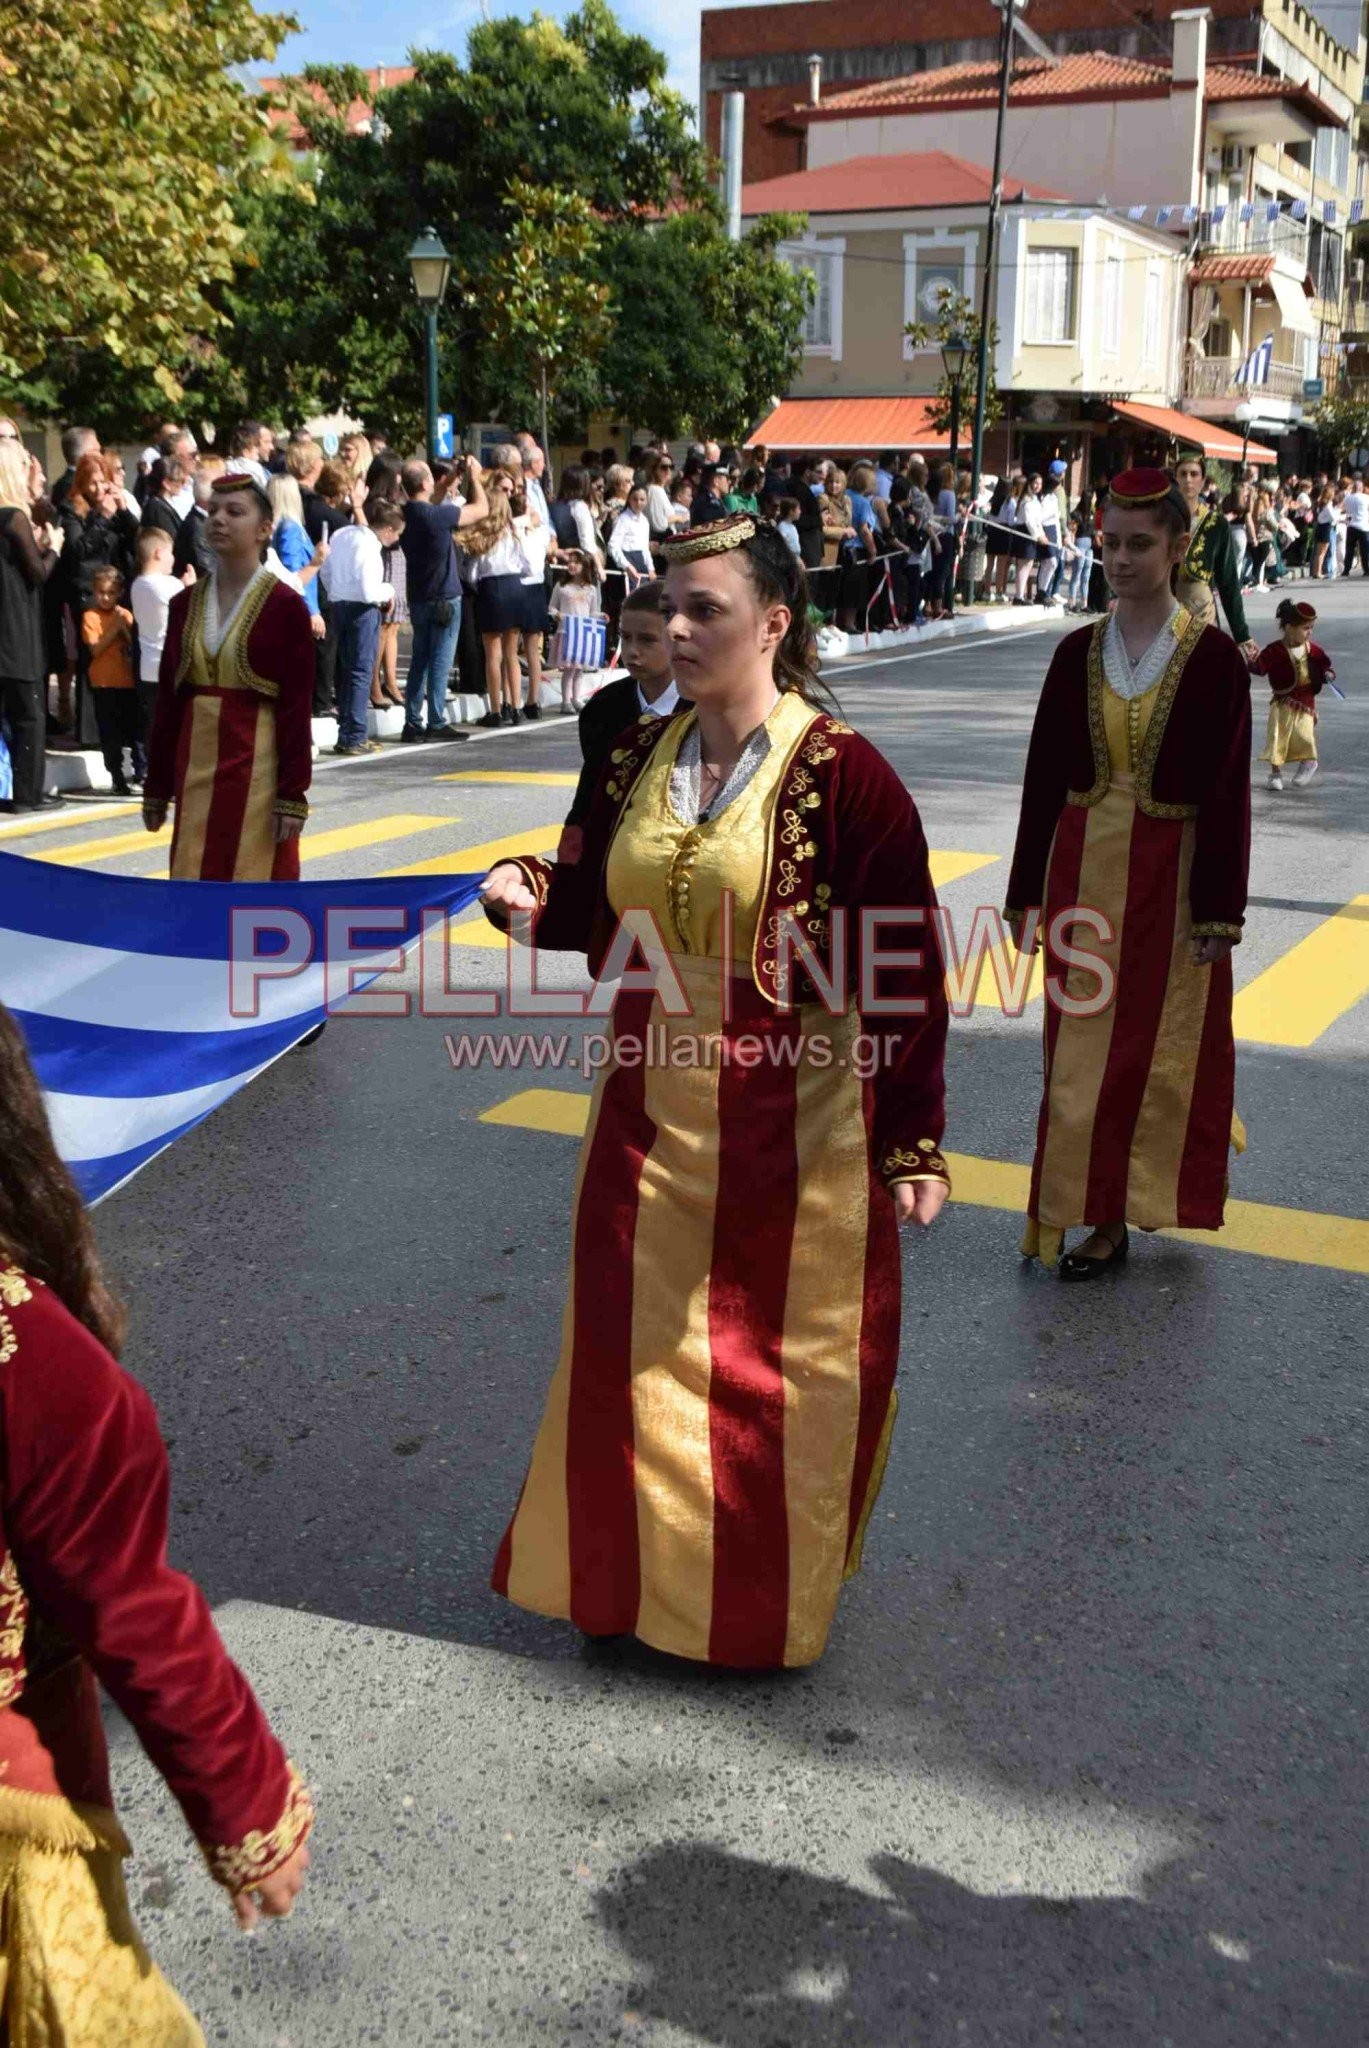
(357, 117)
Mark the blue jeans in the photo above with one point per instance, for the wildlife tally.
(358, 639)
(1082, 570)
(430, 661)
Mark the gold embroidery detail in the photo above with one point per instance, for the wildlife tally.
(1187, 631)
(240, 1865)
(677, 886)
(291, 807)
(1213, 928)
(14, 1288)
(924, 1163)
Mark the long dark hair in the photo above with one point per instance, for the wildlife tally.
(44, 1228)
(779, 577)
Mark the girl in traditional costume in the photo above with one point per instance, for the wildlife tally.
(1135, 833)
(86, 1593)
(231, 741)
(1209, 565)
(717, 1427)
(1297, 668)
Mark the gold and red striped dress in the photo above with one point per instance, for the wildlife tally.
(717, 1426)
(1138, 1109)
(231, 739)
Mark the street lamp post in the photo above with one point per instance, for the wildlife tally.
(430, 267)
(954, 354)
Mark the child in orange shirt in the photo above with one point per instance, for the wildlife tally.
(107, 630)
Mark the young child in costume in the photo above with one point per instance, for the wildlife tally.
(1296, 668)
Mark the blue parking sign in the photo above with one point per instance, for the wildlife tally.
(446, 438)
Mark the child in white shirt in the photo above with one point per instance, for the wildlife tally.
(629, 544)
(154, 586)
(579, 598)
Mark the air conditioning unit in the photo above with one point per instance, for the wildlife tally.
(1233, 158)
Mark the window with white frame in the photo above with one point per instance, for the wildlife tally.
(937, 270)
(1150, 334)
(1331, 156)
(1048, 314)
(1112, 303)
(825, 264)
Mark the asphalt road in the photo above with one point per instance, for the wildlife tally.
(1085, 1759)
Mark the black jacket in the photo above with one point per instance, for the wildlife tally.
(609, 712)
(192, 550)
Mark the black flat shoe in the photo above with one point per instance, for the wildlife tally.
(1074, 1267)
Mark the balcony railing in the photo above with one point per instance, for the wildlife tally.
(1215, 377)
(1261, 237)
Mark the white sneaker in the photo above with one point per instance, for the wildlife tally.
(1306, 770)
(1275, 779)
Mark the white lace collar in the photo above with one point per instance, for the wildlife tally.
(214, 628)
(1128, 679)
(684, 773)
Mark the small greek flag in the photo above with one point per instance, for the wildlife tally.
(1299, 209)
(1247, 212)
(1136, 213)
(1328, 211)
(1189, 215)
(1162, 214)
(1271, 211)
(1356, 212)
(1255, 368)
(584, 642)
(1218, 215)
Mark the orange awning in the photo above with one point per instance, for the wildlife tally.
(1216, 441)
(825, 426)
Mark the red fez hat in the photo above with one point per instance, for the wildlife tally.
(1307, 613)
(1141, 486)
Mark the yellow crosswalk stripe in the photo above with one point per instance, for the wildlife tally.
(478, 931)
(90, 851)
(474, 860)
(1301, 1237)
(548, 780)
(313, 846)
(1314, 983)
(950, 867)
(63, 821)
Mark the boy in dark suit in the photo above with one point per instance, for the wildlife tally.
(648, 687)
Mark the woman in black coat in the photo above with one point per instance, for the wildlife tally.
(98, 532)
(27, 560)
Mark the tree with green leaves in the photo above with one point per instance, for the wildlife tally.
(127, 143)
(1342, 422)
(543, 301)
(956, 315)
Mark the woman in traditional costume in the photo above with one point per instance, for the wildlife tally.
(1297, 669)
(1209, 565)
(717, 1427)
(1135, 828)
(231, 741)
(86, 1593)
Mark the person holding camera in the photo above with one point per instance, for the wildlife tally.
(433, 515)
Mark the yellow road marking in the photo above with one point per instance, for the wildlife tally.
(949, 867)
(1315, 982)
(1300, 1237)
(85, 814)
(91, 850)
(316, 846)
(535, 781)
(475, 860)
(478, 931)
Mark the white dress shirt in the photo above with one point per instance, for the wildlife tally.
(664, 704)
(354, 572)
(631, 535)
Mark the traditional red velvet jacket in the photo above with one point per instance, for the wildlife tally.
(85, 1587)
(1195, 763)
(275, 658)
(1276, 663)
(845, 833)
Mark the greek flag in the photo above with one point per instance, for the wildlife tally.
(584, 642)
(1255, 368)
(1218, 215)
(1136, 213)
(146, 1004)
(1356, 212)
(1247, 212)
(1299, 209)
(1328, 211)
(1271, 211)
(1162, 214)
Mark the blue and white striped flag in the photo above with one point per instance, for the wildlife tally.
(1328, 211)
(126, 992)
(1136, 213)
(1299, 209)
(1162, 214)
(1218, 214)
(584, 642)
(1188, 215)
(1255, 368)
(1247, 212)
(1271, 211)
(1356, 212)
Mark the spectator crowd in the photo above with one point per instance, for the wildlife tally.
(490, 575)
